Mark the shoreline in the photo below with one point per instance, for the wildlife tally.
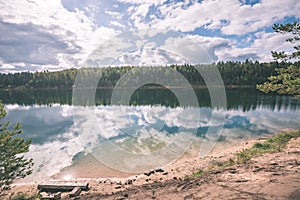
(89, 169)
(145, 87)
(188, 164)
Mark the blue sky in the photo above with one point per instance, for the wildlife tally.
(54, 34)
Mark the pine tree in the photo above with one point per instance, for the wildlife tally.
(287, 81)
(13, 164)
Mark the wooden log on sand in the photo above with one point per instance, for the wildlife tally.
(62, 186)
(75, 192)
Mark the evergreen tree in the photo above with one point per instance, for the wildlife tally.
(13, 164)
(294, 30)
(287, 81)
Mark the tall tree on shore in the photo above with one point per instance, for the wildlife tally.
(287, 81)
(13, 164)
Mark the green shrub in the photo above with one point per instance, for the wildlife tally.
(274, 144)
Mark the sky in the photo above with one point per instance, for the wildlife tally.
(38, 35)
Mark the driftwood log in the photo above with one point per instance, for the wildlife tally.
(75, 192)
(52, 186)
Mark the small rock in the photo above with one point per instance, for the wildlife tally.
(174, 177)
(118, 187)
(258, 169)
(159, 170)
(165, 173)
(128, 182)
(241, 180)
(148, 173)
(108, 181)
(119, 183)
(276, 174)
(273, 163)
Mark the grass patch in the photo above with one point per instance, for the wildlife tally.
(198, 173)
(273, 144)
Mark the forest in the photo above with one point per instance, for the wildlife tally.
(236, 73)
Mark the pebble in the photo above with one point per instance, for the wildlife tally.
(148, 173)
(159, 170)
(273, 163)
(128, 182)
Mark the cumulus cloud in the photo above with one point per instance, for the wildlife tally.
(32, 44)
(259, 49)
(230, 16)
(44, 34)
(61, 34)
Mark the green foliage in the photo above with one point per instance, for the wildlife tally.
(262, 146)
(286, 82)
(294, 30)
(271, 145)
(246, 73)
(226, 163)
(278, 142)
(198, 173)
(243, 156)
(13, 164)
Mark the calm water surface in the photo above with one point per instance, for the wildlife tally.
(152, 122)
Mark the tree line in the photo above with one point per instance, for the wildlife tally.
(236, 73)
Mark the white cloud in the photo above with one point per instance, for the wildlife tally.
(54, 34)
(229, 16)
(260, 49)
(116, 15)
(50, 35)
(154, 2)
(197, 49)
(115, 23)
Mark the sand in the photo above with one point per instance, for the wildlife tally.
(272, 176)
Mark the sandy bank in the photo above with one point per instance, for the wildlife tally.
(272, 176)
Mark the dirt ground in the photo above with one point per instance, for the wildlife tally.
(271, 176)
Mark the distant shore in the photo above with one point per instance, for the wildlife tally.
(112, 87)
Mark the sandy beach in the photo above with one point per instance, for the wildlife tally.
(108, 183)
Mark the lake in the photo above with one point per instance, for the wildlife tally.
(153, 130)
